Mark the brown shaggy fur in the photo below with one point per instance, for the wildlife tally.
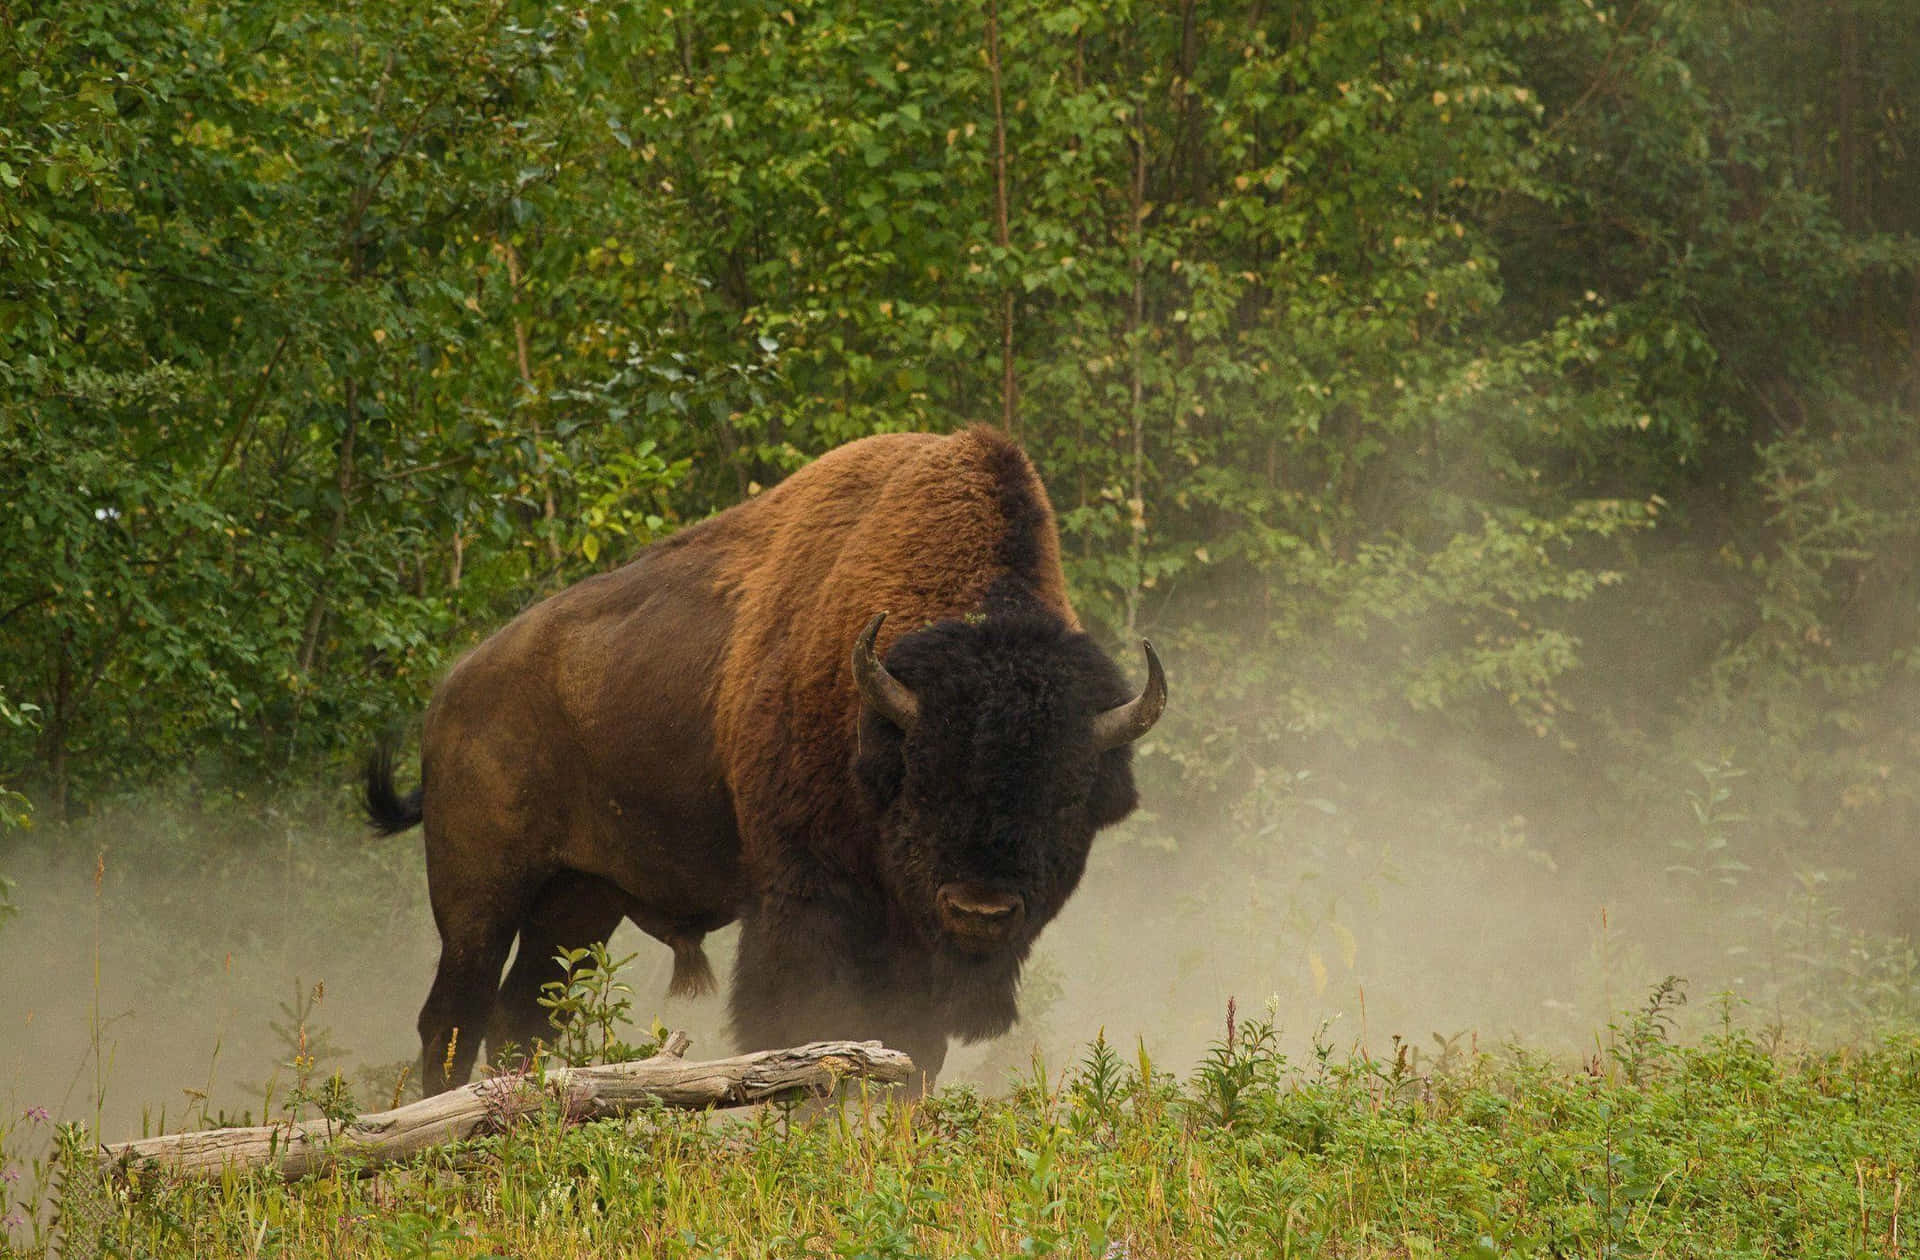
(809, 579)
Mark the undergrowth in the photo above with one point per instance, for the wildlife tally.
(1725, 1147)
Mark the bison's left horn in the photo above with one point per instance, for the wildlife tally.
(1125, 723)
(884, 694)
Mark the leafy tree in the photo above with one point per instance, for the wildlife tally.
(1518, 395)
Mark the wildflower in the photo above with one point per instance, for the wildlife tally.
(37, 1114)
(9, 1175)
(12, 1220)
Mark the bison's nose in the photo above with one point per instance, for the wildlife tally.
(980, 915)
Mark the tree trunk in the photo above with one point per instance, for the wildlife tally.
(1847, 161)
(1846, 116)
(1136, 385)
(1189, 148)
(514, 277)
(1913, 340)
(53, 738)
(1009, 385)
(491, 1106)
(343, 485)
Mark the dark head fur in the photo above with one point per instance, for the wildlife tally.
(998, 787)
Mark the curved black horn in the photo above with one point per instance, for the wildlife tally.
(884, 694)
(1127, 722)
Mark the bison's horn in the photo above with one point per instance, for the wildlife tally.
(1125, 723)
(884, 694)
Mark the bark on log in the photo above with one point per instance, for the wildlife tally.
(491, 1106)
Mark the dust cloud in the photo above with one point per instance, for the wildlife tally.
(165, 964)
(1449, 940)
(180, 986)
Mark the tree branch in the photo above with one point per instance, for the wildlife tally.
(493, 1105)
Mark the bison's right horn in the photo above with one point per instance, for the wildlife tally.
(1127, 722)
(884, 694)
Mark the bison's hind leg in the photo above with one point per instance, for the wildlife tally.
(454, 1018)
(571, 911)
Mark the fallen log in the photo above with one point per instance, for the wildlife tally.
(297, 1149)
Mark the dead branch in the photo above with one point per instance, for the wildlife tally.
(297, 1149)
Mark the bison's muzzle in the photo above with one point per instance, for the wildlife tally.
(979, 919)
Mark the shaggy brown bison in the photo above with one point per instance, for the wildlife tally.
(709, 733)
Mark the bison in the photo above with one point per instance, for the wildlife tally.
(855, 713)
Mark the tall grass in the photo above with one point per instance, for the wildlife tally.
(1725, 1147)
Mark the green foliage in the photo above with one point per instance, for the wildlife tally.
(1098, 1083)
(1647, 1038)
(1706, 860)
(16, 811)
(1237, 1069)
(251, 372)
(308, 1046)
(1729, 1149)
(589, 1009)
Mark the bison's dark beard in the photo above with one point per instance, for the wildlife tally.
(980, 993)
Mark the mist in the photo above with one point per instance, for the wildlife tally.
(169, 962)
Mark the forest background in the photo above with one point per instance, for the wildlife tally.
(1500, 414)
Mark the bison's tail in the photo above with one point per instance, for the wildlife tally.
(387, 810)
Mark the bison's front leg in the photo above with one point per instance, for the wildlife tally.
(805, 974)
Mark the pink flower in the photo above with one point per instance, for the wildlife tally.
(37, 1114)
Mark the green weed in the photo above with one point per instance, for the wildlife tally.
(1718, 1148)
(589, 1009)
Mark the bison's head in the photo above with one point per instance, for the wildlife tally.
(993, 749)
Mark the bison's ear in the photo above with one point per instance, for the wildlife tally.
(878, 759)
(1113, 796)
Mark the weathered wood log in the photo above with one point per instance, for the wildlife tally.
(491, 1106)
